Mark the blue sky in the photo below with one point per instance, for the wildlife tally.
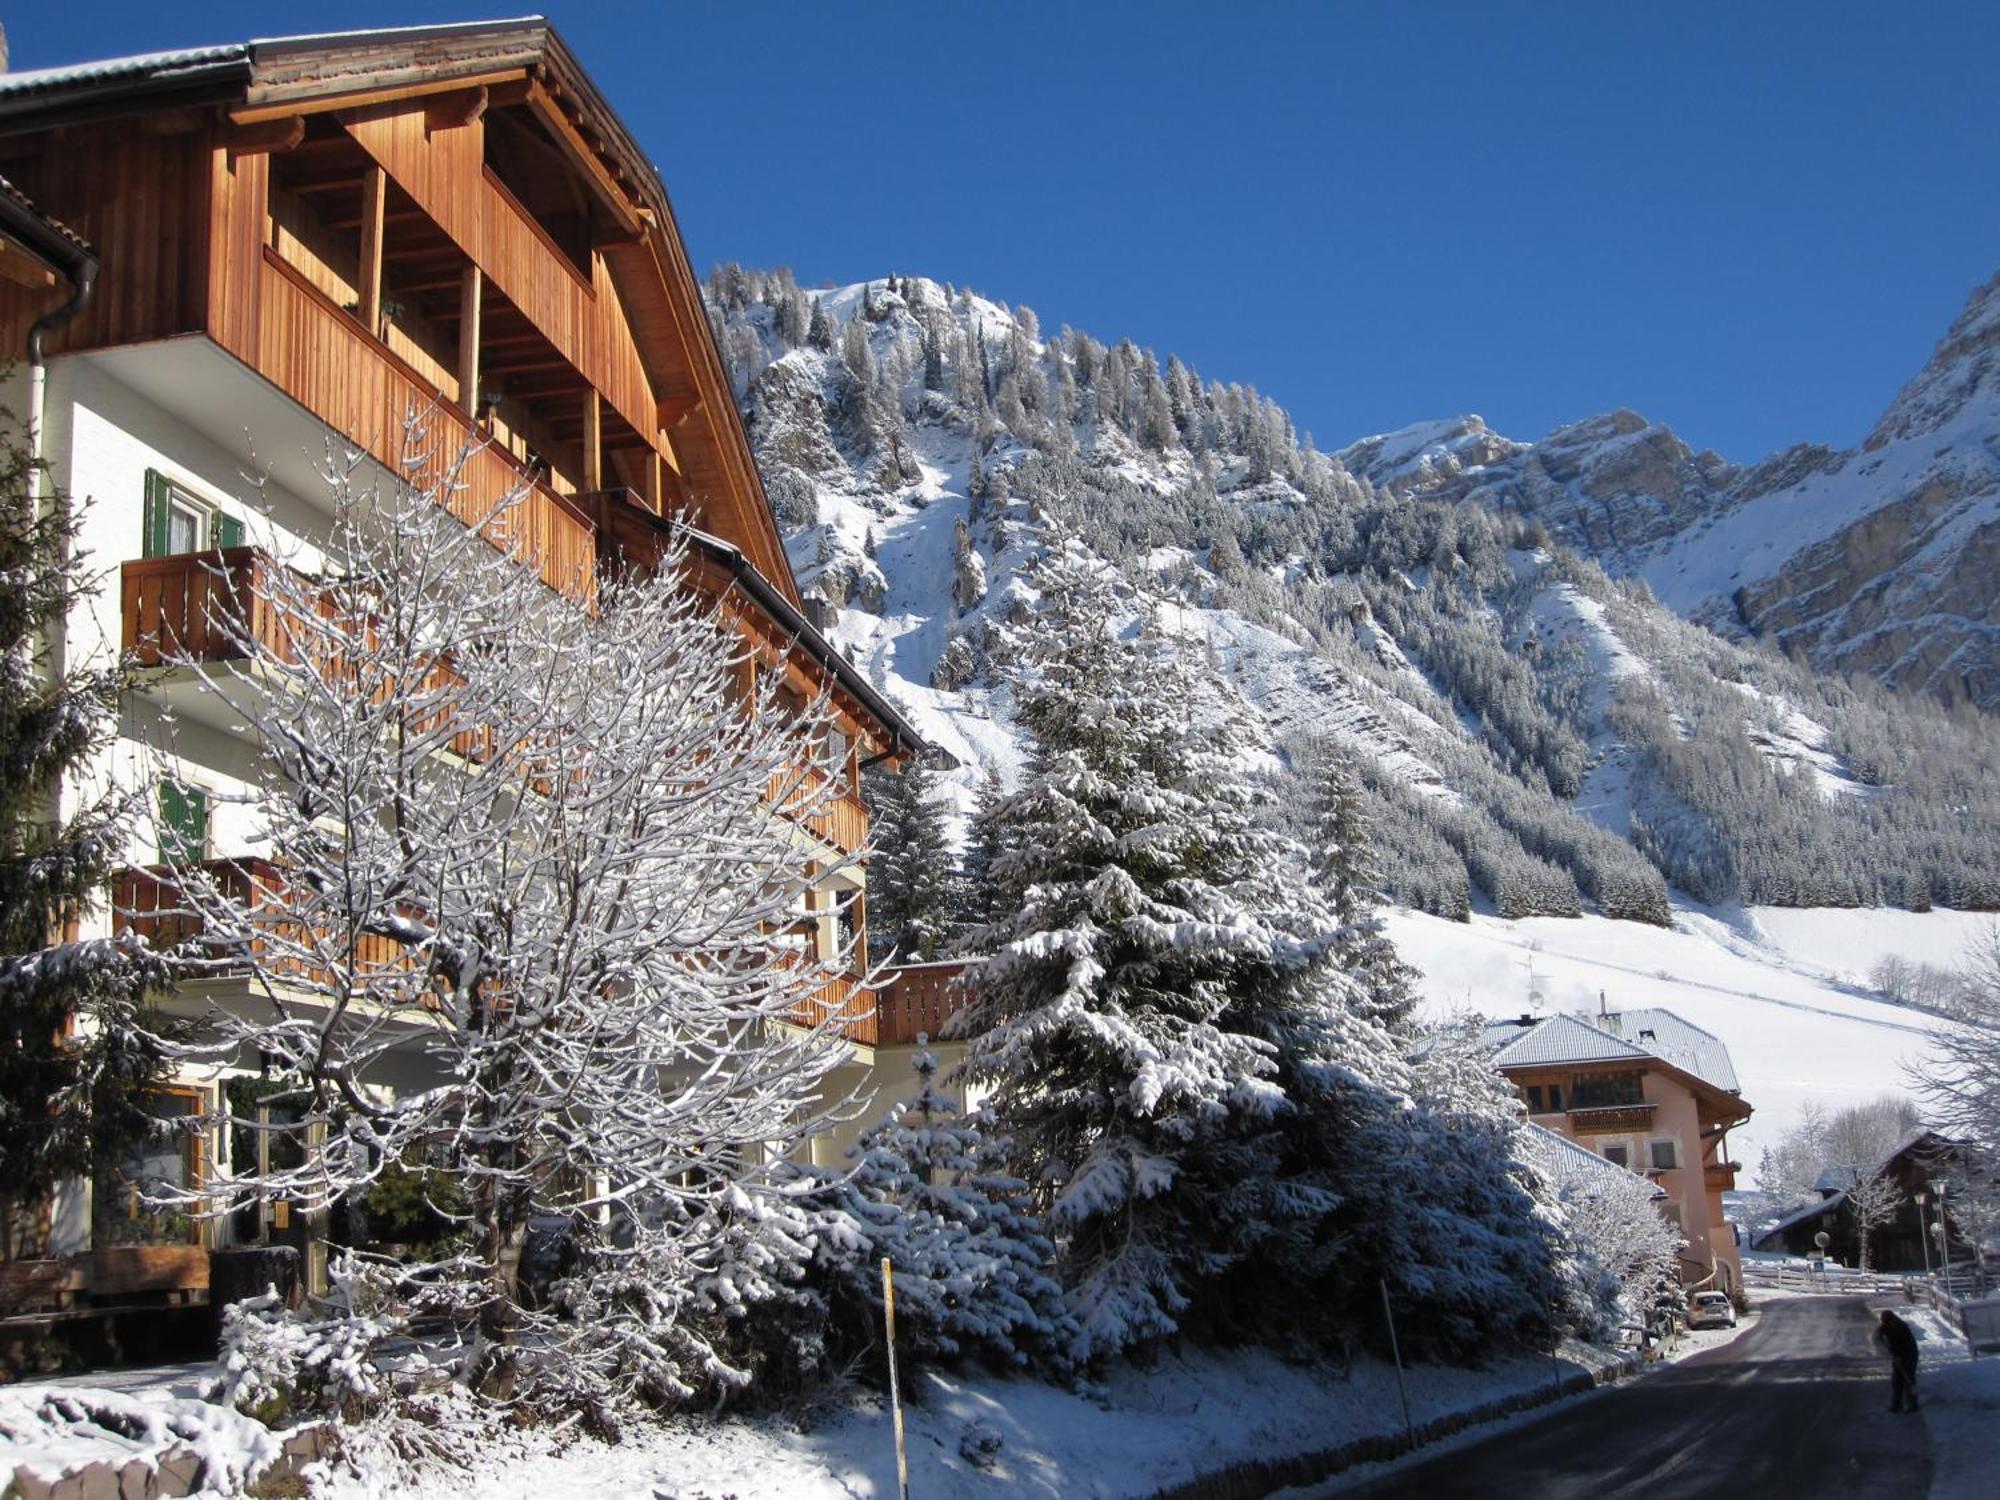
(1751, 221)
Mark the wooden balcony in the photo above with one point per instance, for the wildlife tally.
(918, 1001)
(912, 1002)
(195, 603)
(146, 901)
(1720, 1176)
(842, 820)
(1612, 1117)
(321, 356)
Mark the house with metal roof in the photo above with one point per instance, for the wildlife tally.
(1645, 1090)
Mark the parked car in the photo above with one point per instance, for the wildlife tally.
(1711, 1310)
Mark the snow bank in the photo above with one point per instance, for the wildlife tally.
(1960, 1399)
(49, 1431)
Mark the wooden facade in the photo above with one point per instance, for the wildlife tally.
(445, 224)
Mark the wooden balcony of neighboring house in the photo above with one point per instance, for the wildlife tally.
(1720, 1176)
(1608, 1117)
(919, 1000)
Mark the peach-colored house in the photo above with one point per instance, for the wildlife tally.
(1649, 1091)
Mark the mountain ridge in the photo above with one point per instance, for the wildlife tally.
(1877, 559)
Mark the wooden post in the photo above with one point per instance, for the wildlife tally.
(468, 342)
(655, 487)
(895, 1393)
(1396, 1352)
(374, 206)
(593, 441)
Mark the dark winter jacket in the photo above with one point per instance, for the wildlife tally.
(1896, 1337)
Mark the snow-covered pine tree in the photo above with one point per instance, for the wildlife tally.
(1344, 867)
(928, 1188)
(1100, 1018)
(1443, 1203)
(75, 1057)
(575, 949)
(913, 881)
(819, 327)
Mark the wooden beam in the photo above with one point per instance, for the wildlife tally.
(366, 98)
(593, 441)
(650, 488)
(551, 114)
(468, 341)
(374, 199)
(280, 134)
(23, 268)
(454, 111)
(677, 406)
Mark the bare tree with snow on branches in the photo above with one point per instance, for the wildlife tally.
(527, 862)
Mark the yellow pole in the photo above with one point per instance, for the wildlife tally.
(895, 1394)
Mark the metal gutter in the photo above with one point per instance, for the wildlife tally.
(904, 737)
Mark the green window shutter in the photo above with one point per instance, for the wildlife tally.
(183, 823)
(228, 531)
(154, 541)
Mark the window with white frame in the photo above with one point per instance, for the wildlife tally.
(1665, 1155)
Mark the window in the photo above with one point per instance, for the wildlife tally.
(1664, 1156)
(177, 521)
(167, 1160)
(1555, 1098)
(1534, 1093)
(183, 823)
(1607, 1092)
(1618, 1156)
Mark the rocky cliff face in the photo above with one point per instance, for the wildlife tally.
(1880, 560)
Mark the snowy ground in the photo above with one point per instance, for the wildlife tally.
(1960, 1399)
(1190, 1414)
(1783, 989)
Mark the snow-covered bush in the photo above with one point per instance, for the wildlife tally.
(280, 1363)
(1625, 1251)
(928, 1190)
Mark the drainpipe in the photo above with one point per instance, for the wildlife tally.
(82, 274)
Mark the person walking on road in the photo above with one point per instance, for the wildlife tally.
(1895, 1336)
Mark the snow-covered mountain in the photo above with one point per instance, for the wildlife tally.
(1537, 737)
(1880, 560)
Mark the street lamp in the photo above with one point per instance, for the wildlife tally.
(1943, 1234)
(1923, 1234)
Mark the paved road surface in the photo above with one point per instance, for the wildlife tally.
(1796, 1407)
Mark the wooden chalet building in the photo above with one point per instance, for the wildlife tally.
(1647, 1091)
(1909, 1239)
(208, 258)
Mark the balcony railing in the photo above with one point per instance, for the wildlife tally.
(919, 1001)
(147, 900)
(912, 1002)
(1612, 1117)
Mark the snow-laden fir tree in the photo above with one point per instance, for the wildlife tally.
(1444, 1205)
(1344, 867)
(75, 1060)
(530, 869)
(1160, 1013)
(914, 894)
(928, 1188)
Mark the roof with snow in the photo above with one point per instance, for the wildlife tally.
(1633, 1035)
(1565, 1039)
(1558, 1148)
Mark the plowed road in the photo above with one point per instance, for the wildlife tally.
(1796, 1407)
